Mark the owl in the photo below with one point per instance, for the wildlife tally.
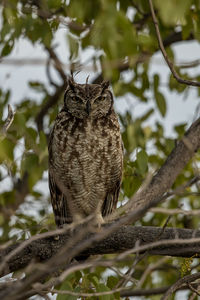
(85, 155)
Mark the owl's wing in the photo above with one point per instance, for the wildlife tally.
(58, 199)
(59, 203)
(110, 202)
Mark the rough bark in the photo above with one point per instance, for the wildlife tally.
(123, 239)
(174, 164)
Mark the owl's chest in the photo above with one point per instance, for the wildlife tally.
(87, 139)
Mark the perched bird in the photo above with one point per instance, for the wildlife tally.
(85, 155)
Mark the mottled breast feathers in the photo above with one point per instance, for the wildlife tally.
(85, 155)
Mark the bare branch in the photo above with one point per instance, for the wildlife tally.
(53, 99)
(173, 38)
(171, 243)
(185, 280)
(57, 63)
(149, 292)
(92, 294)
(193, 289)
(8, 120)
(164, 53)
(175, 211)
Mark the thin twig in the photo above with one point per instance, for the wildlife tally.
(193, 289)
(57, 63)
(164, 53)
(153, 291)
(94, 294)
(178, 284)
(175, 211)
(8, 120)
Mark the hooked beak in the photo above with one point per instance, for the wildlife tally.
(88, 107)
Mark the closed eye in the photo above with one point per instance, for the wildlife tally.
(100, 98)
(77, 99)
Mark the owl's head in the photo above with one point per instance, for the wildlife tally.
(88, 100)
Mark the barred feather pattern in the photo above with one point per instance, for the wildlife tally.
(85, 155)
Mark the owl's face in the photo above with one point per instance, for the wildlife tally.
(88, 100)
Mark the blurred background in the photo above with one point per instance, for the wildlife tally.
(41, 43)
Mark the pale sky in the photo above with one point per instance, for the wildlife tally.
(181, 107)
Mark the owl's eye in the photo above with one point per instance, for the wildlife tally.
(100, 98)
(78, 99)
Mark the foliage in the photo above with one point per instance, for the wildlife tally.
(123, 38)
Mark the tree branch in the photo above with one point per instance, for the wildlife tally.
(171, 242)
(51, 101)
(59, 89)
(163, 180)
(173, 38)
(153, 291)
(164, 53)
(145, 199)
(185, 280)
(8, 121)
(57, 63)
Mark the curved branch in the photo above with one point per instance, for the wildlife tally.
(178, 284)
(57, 63)
(153, 291)
(9, 120)
(145, 199)
(51, 101)
(163, 180)
(164, 53)
(173, 38)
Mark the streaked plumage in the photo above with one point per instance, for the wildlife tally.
(85, 155)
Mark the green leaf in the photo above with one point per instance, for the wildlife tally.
(103, 288)
(73, 46)
(6, 149)
(7, 48)
(147, 115)
(180, 129)
(30, 138)
(84, 11)
(1, 219)
(161, 103)
(142, 162)
(173, 12)
(156, 80)
(38, 86)
(30, 164)
(68, 287)
(112, 281)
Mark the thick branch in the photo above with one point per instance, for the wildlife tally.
(123, 239)
(176, 161)
(147, 198)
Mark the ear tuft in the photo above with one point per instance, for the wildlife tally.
(71, 83)
(104, 85)
(70, 86)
